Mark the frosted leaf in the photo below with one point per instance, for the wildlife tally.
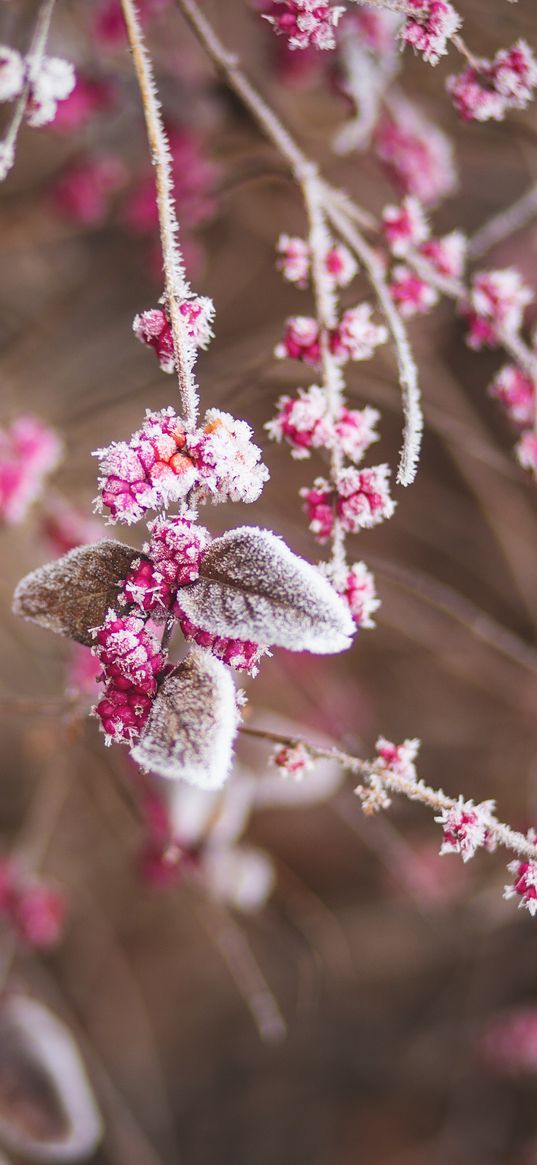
(47, 1109)
(253, 587)
(72, 595)
(191, 727)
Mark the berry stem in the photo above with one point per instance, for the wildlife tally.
(176, 284)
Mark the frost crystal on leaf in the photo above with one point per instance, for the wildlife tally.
(72, 595)
(252, 586)
(192, 724)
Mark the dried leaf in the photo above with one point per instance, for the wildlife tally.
(192, 724)
(73, 594)
(252, 586)
(47, 1108)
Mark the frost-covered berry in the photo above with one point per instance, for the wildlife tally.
(404, 226)
(526, 451)
(305, 23)
(516, 392)
(363, 497)
(515, 74)
(240, 654)
(397, 759)
(29, 451)
(466, 828)
(292, 759)
(293, 259)
(487, 90)
(11, 73)
(447, 255)
(123, 712)
(130, 655)
(172, 559)
(360, 500)
(410, 292)
(151, 469)
(320, 508)
(524, 884)
(228, 464)
(154, 329)
(417, 155)
(358, 589)
(495, 305)
(355, 431)
(51, 80)
(429, 31)
(340, 265)
(300, 340)
(303, 422)
(356, 336)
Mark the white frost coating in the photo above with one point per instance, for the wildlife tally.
(253, 587)
(11, 73)
(33, 1039)
(191, 728)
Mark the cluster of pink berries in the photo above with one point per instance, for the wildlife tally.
(172, 559)
(305, 423)
(35, 910)
(305, 23)
(430, 30)
(495, 306)
(487, 90)
(29, 451)
(417, 155)
(524, 884)
(354, 338)
(357, 498)
(131, 661)
(406, 231)
(153, 328)
(162, 463)
(294, 262)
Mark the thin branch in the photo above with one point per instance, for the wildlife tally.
(176, 283)
(326, 311)
(35, 53)
(504, 224)
(434, 799)
(408, 373)
(244, 969)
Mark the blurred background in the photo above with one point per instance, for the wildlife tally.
(388, 966)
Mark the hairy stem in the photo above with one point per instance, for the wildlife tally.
(434, 799)
(176, 285)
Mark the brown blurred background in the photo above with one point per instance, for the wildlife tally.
(385, 982)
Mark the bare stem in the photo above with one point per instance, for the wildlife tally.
(507, 222)
(408, 373)
(36, 53)
(326, 311)
(176, 284)
(434, 799)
